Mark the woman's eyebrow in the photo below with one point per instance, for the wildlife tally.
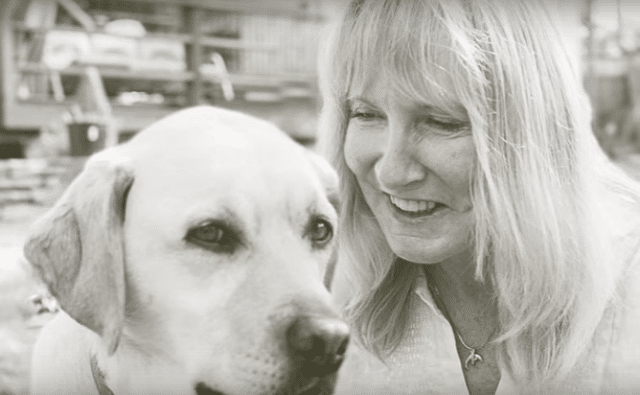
(356, 99)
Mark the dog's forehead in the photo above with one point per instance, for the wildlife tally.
(250, 193)
(201, 135)
(206, 155)
(218, 146)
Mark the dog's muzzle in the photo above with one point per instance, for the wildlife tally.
(317, 347)
(319, 344)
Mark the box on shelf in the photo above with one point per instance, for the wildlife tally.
(63, 48)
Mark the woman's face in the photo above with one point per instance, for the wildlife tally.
(413, 162)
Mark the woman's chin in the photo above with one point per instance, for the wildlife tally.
(423, 252)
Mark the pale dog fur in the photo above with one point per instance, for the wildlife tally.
(158, 313)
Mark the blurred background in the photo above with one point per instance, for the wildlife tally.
(79, 75)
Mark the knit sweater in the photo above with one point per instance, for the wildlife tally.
(426, 361)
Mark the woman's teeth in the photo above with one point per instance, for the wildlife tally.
(413, 206)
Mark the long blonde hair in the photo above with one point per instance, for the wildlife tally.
(546, 199)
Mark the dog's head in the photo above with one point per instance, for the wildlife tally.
(198, 246)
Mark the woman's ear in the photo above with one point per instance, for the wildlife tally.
(77, 249)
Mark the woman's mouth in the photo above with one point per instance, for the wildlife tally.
(415, 208)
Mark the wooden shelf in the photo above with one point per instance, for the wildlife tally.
(205, 41)
(162, 20)
(233, 43)
(111, 72)
(21, 27)
(272, 80)
(283, 8)
(32, 115)
(239, 80)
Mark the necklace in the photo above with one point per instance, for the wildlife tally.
(473, 356)
(474, 352)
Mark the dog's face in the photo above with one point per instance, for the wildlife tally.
(224, 226)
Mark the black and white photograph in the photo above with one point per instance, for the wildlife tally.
(317, 197)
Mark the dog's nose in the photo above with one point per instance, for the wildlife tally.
(320, 341)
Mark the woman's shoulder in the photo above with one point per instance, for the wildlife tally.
(623, 320)
(623, 362)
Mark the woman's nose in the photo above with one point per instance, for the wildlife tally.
(399, 165)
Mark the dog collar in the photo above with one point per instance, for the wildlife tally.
(98, 378)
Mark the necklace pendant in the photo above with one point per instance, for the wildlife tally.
(472, 359)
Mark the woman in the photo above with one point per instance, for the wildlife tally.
(487, 243)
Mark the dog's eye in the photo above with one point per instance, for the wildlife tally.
(214, 236)
(320, 231)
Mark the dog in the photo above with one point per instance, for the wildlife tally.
(189, 260)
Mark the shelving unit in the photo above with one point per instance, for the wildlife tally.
(268, 49)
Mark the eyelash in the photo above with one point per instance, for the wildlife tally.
(364, 114)
(432, 122)
(449, 126)
(225, 239)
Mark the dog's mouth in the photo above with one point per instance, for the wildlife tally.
(308, 386)
(317, 386)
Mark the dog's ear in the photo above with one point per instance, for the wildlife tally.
(328, 176)
(77, 249)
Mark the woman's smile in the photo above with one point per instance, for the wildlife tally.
(416, 208)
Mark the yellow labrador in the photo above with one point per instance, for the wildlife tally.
(189, 261)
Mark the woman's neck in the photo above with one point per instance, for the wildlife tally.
(458, 274)
(467, 303)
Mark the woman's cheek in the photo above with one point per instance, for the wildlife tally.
(362, 148)
(354, 151)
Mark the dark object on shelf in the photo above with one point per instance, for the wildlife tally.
(86, 138)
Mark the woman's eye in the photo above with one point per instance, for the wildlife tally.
(214, 236)
(446, 125)
(365, 115)
(319, 231)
